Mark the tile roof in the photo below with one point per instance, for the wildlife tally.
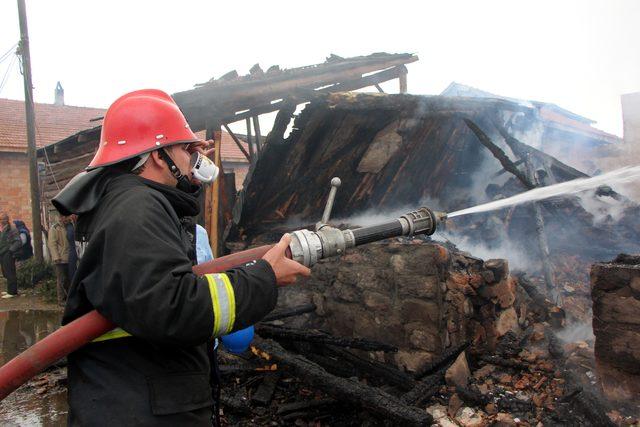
(57, 122)
(229, 150)
(53, 123)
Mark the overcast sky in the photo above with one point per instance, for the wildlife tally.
(580, 55)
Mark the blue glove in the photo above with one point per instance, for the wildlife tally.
(238, 341)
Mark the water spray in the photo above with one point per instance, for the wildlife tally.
(618, 176)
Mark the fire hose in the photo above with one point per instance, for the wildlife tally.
(307, 247)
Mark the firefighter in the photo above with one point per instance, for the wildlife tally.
(137, 249)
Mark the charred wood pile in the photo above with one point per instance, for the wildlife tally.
(375, 370)
(616, 325)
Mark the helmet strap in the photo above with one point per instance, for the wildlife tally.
(183, 182)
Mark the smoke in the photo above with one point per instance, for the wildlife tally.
(497, 247)
(603, 209)
(576, 332)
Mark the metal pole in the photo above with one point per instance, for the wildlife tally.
(31, 132)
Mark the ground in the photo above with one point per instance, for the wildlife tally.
(28, 299)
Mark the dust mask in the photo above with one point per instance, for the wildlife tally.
(202, 168)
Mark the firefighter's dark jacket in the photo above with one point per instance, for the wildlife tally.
(135, 270)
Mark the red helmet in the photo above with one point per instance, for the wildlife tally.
(140, 122)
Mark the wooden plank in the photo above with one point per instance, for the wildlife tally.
(256, 128)
(215, 223)
(402, 78)
(252, 153)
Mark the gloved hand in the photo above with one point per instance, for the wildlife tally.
(239, 341)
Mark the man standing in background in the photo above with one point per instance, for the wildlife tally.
(10, 243)
(59, 250)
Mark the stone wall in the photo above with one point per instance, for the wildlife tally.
(419, 296)
(615, 290)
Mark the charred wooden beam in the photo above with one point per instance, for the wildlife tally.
(543, 244)
(379, 370)
(447, 357)
(256, 128)
(281, 123)
(350, 390)
(300, 96)
(505, 363)
(425, 389)
(290, 312)
(304, 405)
(336, 367)
(435, 105)
(497, 152)
(264, 393)
(240, 94)
(314, 336)
(523, 150)
(502, 171)
(252, 151)
(237, 141)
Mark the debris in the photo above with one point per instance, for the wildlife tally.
(458, 373)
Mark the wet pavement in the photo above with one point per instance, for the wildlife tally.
(34, 404)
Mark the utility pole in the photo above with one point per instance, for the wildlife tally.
(31, 132)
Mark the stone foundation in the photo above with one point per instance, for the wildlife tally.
(419, 296)
(615, 290)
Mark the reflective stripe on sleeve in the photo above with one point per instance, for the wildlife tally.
(113, 334)
(224, 303)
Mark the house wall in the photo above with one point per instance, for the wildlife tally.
(14, 186)
(239, 168)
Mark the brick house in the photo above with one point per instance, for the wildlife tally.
(55, 123)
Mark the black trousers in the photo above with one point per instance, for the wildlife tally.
(8, 264)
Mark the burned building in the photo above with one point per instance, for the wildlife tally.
(425, 297)
(397, 152)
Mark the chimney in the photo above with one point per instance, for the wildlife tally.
(59, 99)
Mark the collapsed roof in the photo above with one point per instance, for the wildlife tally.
(231, 97)
(395, 153)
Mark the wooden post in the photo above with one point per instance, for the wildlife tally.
(212, 199)
(31, 133)
(256, 128)
(403, 80)
(252, 152)
(543, 245)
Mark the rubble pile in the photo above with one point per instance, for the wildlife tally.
(436, 330)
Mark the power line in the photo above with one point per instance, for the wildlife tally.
(7, 53)
(6, 74)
